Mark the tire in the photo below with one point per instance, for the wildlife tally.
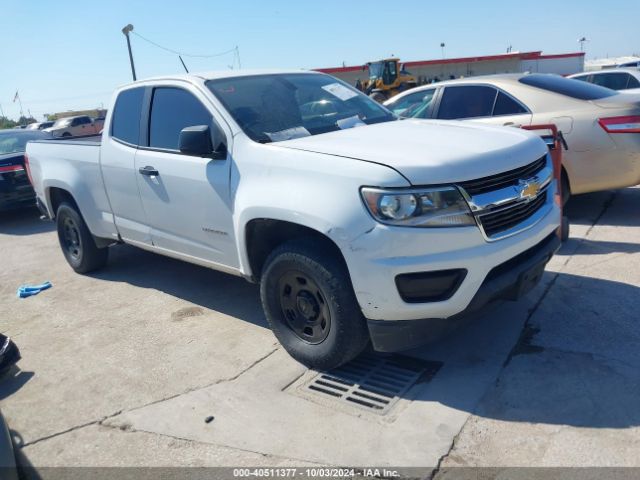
(309, 302)
(566, 189)
(76, 242)
(66, 135)
(378, 97)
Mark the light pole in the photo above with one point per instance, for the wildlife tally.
(442, 45)
(125, 31)
(581, 40)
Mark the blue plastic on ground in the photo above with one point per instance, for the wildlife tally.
(29, 290)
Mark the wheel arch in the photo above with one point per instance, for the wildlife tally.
(263, 235)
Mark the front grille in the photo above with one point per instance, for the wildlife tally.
(502, 180)
(497, 222)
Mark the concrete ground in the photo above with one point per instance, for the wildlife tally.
(122, 367)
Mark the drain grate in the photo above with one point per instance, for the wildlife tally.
(373, 382)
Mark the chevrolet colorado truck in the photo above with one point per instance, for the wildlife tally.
(358, 226)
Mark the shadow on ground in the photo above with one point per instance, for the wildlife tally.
(539, 386)
(24, 222)
(202, 286)
(13, 381)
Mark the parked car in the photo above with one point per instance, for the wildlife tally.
(599, 125)
(615, 78)
(99, 123)
(74, 127)
(40, 125)
(357, 226)
(632, 64)
(15, 189)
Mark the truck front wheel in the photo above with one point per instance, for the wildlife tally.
(309, 302)
(76, 241)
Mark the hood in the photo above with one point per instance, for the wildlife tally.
(430, 151)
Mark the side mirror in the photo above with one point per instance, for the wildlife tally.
(197, 141)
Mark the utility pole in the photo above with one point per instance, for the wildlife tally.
(126, 30)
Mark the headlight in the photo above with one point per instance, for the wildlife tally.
(428, 207)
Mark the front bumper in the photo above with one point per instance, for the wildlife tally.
(507, 281)
(380, 254)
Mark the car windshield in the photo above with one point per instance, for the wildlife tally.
(13, 142)
(272, 108)
(62, 122)
(566, 86)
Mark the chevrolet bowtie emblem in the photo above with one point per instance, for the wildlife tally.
(529, 189)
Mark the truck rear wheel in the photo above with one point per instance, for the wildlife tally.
(309, 302)
(76, 241)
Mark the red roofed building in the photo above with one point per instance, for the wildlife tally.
(427, 71)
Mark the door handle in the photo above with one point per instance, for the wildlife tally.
(148, 171)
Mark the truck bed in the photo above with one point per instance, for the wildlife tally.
(83, 140)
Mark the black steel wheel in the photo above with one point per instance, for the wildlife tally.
(304, 307)
(77, 244)
(71, 242)
(309, 302)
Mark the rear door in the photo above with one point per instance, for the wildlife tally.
(117, 160)
(482, 103)
(187, 199)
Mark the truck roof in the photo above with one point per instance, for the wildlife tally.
(212, 75)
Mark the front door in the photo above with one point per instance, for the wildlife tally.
(186, 198)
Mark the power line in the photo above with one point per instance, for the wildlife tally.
(182, 54)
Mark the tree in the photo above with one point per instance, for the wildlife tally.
(26, 120)
(6, 123)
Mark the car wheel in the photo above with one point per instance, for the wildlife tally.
(309, 302)
(66, 134)
(77, 243)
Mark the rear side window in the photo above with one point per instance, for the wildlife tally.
(633, 82)
(467, 102)
(614, 81)
(173, 109)
(566, 86)
(505, 105)
(125, 121)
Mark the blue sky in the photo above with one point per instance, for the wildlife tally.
(66, 55)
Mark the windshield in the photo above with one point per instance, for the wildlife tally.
(272, 108)
(62, 122)
(13, 142)
(375, 70)
(567, 86)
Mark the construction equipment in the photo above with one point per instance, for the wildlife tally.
(386, 78)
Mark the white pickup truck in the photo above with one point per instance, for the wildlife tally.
(359, 227)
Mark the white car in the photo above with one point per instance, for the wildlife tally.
(622, 79)
(601, 127)
(79, 126)
(358, 226)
